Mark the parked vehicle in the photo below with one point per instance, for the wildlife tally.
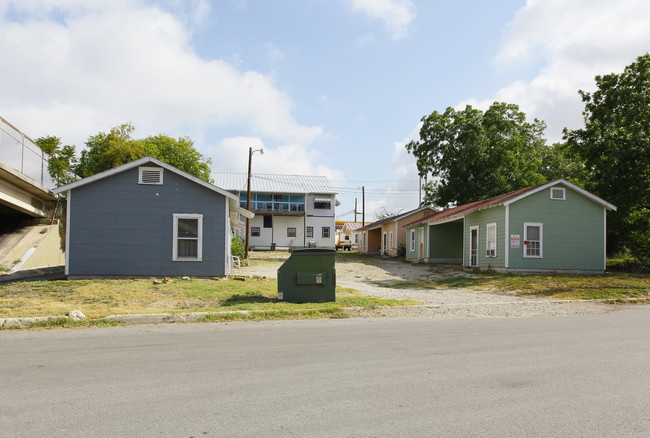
(343, 241)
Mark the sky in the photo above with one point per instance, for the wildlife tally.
(325, 87)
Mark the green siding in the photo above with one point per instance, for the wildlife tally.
(573, 232)
(481, 218)
(446, 241)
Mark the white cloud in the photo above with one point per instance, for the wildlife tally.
(79, 67)
(231, 155)
(396, 15)
(574, 42)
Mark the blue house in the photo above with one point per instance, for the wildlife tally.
(149, 218)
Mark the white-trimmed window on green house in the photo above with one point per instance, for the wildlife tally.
(558, 193)
(491, 240)
(412, 240)
(533, 240)
(188, 237)
(150, 175)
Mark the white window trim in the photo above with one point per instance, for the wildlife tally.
(390, 240)
(541, 239)
(150, 169)
(562, 189)
(413, 240)
(487, 239)
(199, 253)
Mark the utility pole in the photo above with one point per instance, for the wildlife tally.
(355, 210)
(363, 206)
(248, 196)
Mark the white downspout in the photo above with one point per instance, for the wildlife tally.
(507, 236)
(67, 232)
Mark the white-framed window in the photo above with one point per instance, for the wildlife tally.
(188, 237)
(291, 231)
(412, 240)
(150, 175)
(390, 240)
(491, 240)
(533, 239)
(558, 193)
(255, 231)
(326, 232)
(310, 231)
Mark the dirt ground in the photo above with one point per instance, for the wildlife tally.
(373, 277)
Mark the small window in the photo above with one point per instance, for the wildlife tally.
(326, 232)
(558, 193)
(412, 240)
(310, 231)
(188, 237)
(491, 240)
(291, 232)
(390, 240)
(150, 175)
(255, 231)
(322, 205)
(268, 221)
(533, 239)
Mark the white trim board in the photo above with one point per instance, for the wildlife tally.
(138, 163)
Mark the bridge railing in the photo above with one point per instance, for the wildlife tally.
(20, 152)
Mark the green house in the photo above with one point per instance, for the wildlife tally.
(555, 226)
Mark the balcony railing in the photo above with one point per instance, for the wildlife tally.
(20, 152)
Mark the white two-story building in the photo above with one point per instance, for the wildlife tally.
(290, 210)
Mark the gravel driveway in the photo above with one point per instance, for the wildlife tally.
(365, 277)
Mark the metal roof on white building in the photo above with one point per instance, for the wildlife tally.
(272, 183)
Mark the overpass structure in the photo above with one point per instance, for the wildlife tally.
(30, 235)
(25, 184)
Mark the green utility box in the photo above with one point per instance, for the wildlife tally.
(308, 276)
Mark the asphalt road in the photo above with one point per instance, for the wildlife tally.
(582, 376)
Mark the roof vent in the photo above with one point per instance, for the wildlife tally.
(150, 175)
(558, 193)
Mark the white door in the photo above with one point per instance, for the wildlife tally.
(473, 247)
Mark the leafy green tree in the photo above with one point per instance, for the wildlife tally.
(474, 155)
(614, 148)
(62, 159)
(179, 153)
(107, 150)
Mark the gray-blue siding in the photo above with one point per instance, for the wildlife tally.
(120, 227)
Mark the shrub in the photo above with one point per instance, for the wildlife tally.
(237, 247)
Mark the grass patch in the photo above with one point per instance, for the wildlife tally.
(608, 286)
(257, 298)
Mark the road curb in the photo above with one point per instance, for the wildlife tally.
(133, 319)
